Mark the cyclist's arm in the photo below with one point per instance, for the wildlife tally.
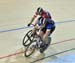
(33, 18)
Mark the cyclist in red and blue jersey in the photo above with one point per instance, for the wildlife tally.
(45, 23)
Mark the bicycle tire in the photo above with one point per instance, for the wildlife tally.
(26, 50)
(25, 41)
(31, 44)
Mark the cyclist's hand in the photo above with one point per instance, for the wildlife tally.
(29, 24)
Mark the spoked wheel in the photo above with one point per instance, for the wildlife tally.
(28, 38)
(30, 49)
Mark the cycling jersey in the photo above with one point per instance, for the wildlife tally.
(43, 15)
(48, 20)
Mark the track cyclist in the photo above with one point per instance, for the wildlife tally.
(45, 24)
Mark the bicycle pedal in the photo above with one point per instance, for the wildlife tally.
(43, 48)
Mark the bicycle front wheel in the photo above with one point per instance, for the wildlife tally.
(28, 38)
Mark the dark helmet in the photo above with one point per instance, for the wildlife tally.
(39, 10)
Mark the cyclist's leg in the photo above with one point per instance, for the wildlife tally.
(47, 34)
(50, 27)
(34, 30)
(48, 31)
(41, 33)
(45, 43)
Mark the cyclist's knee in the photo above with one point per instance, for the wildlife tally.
(45, 38)
(41, 34)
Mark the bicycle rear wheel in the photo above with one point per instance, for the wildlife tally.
(30, 49)
(28, 38)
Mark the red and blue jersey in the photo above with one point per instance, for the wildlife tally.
(43, 15)
(48, 19)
